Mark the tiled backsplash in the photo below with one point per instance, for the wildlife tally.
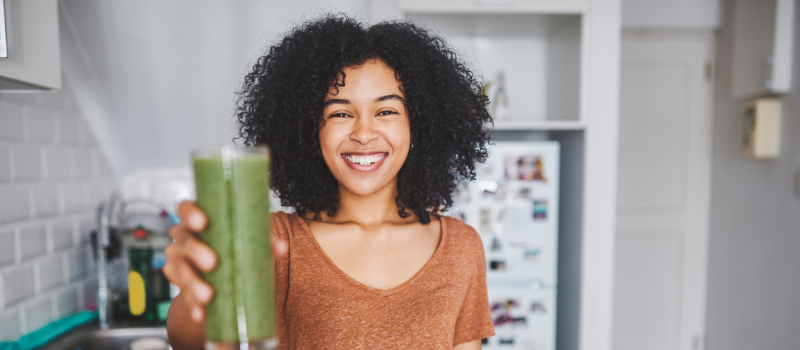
(52, 175)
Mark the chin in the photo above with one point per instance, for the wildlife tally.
(364, 188)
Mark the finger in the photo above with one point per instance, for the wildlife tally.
(199, 291)
(192, 217)
(279, 247)
(201, 255)
(180, 273)
(178, 232)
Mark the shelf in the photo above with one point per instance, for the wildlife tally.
(537, 56)
(551, 7)
(544, 125)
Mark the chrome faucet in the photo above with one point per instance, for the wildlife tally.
(104, 212)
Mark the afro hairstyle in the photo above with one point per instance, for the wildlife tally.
(281, 100)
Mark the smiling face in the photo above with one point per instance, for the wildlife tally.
(366, 134)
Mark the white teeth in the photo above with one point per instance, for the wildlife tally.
(364, 160)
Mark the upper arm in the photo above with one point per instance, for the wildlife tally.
(473, 345)
(474, 321)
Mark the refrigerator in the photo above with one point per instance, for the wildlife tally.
(513, 204)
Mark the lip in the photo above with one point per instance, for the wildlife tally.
(364, 168)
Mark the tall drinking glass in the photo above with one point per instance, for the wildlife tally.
(233, 190)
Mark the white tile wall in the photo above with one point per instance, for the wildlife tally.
(17, 284)
(59, 162)
(26, 162)
(5, 164)
(84, 166)
(32, 241)
(9, 325)
(37, 314)
(46, 200)
(74, 200)
(69, 129)
(11, 122)
(51, 273)
(7, 248)
(14, 203)
(67, 301)
(63, 234)
(51, 175)
(40, 125)
(76, 261)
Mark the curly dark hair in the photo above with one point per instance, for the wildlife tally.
(281, 104)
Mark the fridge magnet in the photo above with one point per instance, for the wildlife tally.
(495, 89)
(496, 246)
(497, 265)
(506, 341)
(537, 307)
(524, 193)
(500, 215)
(488, 188)
(532, 255)
(540, 209)
(525, 168)
(485, 220)
(500, 193)
(502, 313)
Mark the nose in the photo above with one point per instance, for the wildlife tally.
(364, 130)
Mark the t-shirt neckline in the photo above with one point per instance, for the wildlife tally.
(381, 292)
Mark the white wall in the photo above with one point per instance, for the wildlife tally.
(754, 279)
(52, 175)
(670, 13)
(156, 78)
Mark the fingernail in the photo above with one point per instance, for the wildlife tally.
(206, 260)
(202, 293)
(197, 313)
(195, 220)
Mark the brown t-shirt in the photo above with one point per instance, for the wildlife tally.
(318, 306)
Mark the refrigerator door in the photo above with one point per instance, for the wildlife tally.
(524, 319)
(513, 204)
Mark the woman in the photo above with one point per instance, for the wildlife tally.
(371, 131)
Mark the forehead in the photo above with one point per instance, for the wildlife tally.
(373, 77)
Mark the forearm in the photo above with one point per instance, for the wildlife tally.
(184, 333)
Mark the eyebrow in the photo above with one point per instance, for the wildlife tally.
(379, 99)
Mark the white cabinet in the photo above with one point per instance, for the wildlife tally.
(34, 58)
(762, 47)
(537, 56)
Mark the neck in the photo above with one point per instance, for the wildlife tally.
(370, 210)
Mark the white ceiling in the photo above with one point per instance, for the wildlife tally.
(156, 78)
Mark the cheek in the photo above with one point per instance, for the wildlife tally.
(328, 139)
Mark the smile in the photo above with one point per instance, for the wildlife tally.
(364, 161)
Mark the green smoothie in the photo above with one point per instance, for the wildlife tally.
(233, 190)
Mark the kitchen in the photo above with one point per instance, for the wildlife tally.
(120, 93)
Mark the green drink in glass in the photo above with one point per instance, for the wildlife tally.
(233, 190)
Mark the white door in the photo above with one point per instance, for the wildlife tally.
(663, 190)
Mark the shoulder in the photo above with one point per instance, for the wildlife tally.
(282, 224)
(462, 236)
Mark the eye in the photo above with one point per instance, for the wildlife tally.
(339, 115)
(386, 112)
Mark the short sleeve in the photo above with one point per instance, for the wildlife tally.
(280, 227)
(474, 320)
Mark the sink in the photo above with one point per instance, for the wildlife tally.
(92, 338)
